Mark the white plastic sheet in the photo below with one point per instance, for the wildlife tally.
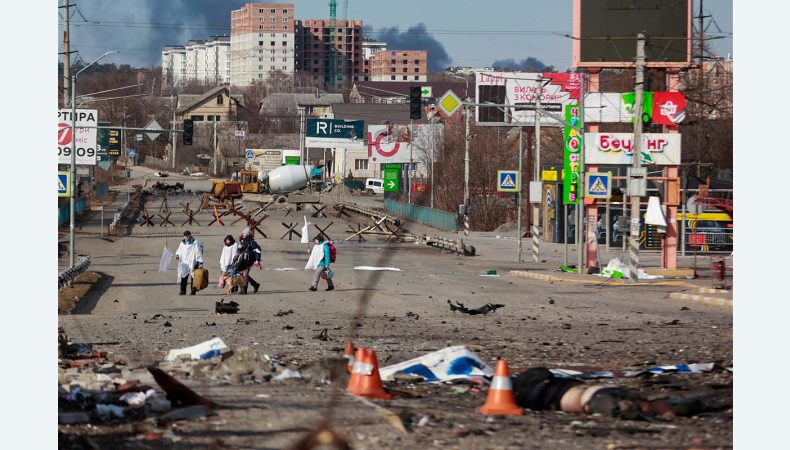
(167, 255)
(196, 351)
(393, 269)
(449, 363)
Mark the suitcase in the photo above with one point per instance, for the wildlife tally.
(200, 278)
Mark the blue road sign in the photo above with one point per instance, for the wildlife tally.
(63, 184)
(508, 181)
(250, 155)
(132, 153)
(598, 184)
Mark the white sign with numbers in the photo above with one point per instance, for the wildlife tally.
(85, 137)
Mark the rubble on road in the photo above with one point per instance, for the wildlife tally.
(484, 310)
(204, 350)
(226, 308)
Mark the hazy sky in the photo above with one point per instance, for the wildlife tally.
(471, 32)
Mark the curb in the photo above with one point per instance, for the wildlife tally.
(534, 276)
(704, 290)
(701, 298)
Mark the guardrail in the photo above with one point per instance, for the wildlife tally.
(436, 218)
(69, 275)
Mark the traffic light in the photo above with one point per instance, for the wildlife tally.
(415, 102)
(188, 128)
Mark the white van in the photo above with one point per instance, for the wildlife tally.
(374, 186)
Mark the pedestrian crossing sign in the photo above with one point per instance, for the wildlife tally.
(63, 184)
(598, 184)
(508, 181)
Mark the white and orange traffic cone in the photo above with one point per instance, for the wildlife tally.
(365, 380)
(501, 398)
(348, 353)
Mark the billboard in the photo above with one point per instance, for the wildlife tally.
(393, 143)
(605, 32)
(268, 159)
(520, 89)
(334, 133)
(662, 149)
(571, 181)
(85, 138)
(663, 108)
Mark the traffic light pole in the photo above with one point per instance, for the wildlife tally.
(633, 251)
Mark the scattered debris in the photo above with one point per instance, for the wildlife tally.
(449, 363)
(657, 370)
(226, 308)
(212, 324)
(191, 412)
(323, 335)
(204, 350)
(246, 321)
(286, 374)
(485, 309)
(411, 314)
(177, 393)
(393, 269)
(167, 324)
(283, 313)
(288, 327)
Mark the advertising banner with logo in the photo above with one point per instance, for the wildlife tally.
(335, 133)
(520, 89)
(662, 149)
(267, 159)
(393, 143)
(573, 147)
(85, 138)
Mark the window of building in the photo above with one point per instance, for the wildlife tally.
(272, 59)
(416, 77)
(273, 27)
(392, 77)
(285, 19)
(361, 164)
(405, 78)
(260, 27)
(405, 70)
(416, 69)
(286, 35)
(260, 42)
(271, 43)
(315, 70)
(285, 43)
(416, 61)
(285, 11)
(392, 61)
(260, 11)
(285, 59)
(197, 118)
(285, 68)
(260, 67)
(285, 27)
(273, 11)
(272, 51)
(272, 34)
(392, 69)
(260, 75)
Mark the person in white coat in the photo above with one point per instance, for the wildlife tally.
(189, 256)
(229, 252)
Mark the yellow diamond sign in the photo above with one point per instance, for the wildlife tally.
(449, 103)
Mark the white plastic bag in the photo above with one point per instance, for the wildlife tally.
(167, 255)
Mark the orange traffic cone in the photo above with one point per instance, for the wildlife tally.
(348, 353)
(501, 399)
(356, 372)
(367, 371)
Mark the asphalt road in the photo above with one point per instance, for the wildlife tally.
(584, 324)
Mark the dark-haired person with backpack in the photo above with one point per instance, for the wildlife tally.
(322, 256)
(249, 256)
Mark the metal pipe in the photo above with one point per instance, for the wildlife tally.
(520, 194)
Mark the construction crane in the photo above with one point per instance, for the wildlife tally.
(336, 58)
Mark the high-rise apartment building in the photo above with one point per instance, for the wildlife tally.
(199, 60)
(317, 54)
(174, 65)
(261, 41)
(399, 65)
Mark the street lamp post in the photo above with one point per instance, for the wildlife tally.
(74, 155)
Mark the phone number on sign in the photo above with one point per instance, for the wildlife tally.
(81, 152)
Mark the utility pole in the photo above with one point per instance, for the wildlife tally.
(216, 156)
(411, 147)
(66, 55)
(633, 253)
(536, 206)
(467, 140)
(173, 126)
(301, 139)
(126, 153)
(520, 194)
(581, 218)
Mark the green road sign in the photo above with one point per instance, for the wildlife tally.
(391, 180)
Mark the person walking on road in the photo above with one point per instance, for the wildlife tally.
(229, 251)
(189, 256)
(249, 256)
(320, 259)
